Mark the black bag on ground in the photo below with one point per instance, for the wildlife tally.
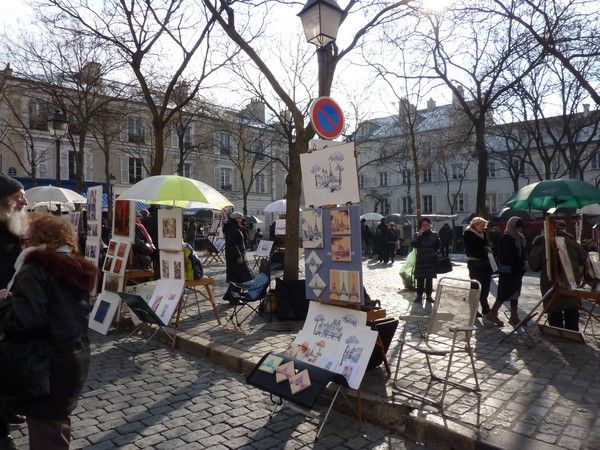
(443, 264)
(24, 369)
(291, 299)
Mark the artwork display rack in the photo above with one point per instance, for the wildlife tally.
(305, 400)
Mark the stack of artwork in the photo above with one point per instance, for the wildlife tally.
(94, 225)
(165, 298)
(336, 339)
(331, 239)
(286, 372)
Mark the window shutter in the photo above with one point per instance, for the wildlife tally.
(217, 181)
(42, 170)
(174, 168)
(174, 139)
(124, 169)
(235, 180)
(466, 206)
(64, 164)
(216, 143)
(88, 163)
(434, 204)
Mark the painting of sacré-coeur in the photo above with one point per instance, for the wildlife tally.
(329, 176)
(312, 228)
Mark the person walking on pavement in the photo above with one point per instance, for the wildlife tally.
(427, 244)
(512, 259)
(445, 235)
(478, 262)
(391, 242)
(565, 309)
(46, 305)
(380, 240)
(235, 251)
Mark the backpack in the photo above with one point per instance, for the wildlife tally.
(193, 264)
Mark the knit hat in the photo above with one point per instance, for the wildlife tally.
(236, 215)
(9, 186)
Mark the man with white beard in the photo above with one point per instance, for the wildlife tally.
(13, 225)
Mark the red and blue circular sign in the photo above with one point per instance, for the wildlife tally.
(327, 118)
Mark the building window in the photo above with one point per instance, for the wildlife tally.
(135, 170)
(258, 148)
(457, 171)
(385, 207)
(427, 175)
(405, 176)
(136, 132)
(491, 202)
(72, 166)
(519, 165)
(361, 181)
(187, 170)
(595, 161)
(38, 116)
(492, 169)
(407, 205)
(383, 179)
(260, 183)
(458, 202)
(427, 204)
(226, 178)
(224, 143)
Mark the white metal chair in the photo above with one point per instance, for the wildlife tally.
(449, 331)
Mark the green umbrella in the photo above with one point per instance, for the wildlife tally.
(560, 193)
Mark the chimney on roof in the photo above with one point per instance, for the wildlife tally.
(7, 71)
(430, 104)
(255, 109)
(91, 72)
(455, 97)
(586, 109)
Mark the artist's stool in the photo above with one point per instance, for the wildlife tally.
(196, 286)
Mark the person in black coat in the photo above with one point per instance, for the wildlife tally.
(445, 235)
(512, 259)
(47, 302)
(235, 250)
(427, 244)
(478, 262)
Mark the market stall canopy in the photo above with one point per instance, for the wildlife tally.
(593, 209)
(278, 206)
(40, 194)
(174, 190)
(371, 216)
(560, 193)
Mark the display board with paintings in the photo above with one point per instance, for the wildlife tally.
(280, 227)
(94, 225)
(335, 339)
(115, 263)
(170, 229)
(172, 265)
(333, 254)
(329, 175)
(103, 312)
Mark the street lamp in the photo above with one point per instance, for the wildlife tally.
(321, 20)
(58, 125)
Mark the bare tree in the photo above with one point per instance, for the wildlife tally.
(139, 32)
(373, 14)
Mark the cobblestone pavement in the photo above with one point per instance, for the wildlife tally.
(164, 399)
(545, 393)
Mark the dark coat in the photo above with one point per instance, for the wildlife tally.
(427, 245)
(475, 246)
(10, 248)
(236, 272)
(445, 234)
(537, 262)
(50, 298)
(511, 256)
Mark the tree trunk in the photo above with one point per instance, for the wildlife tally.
(292, 217)
(482, 164)
(159, 149)
(80, 163)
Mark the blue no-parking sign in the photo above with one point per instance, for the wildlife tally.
(327, 118)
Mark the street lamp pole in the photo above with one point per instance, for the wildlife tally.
(58, 125)
(321, 20)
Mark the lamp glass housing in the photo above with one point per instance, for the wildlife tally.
(58, 125)
(321, 20)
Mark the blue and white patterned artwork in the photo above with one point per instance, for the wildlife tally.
(312, 228)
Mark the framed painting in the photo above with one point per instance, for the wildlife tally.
(170, 229)
(103, 312)
(124, 219)
(312, 228)
(340, 221)
(340, 248)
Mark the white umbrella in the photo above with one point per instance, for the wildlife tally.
(591, 209)
(57, 194)
(371, 216)
(176, 191)
(278, 206)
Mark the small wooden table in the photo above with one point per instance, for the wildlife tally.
(195, 286)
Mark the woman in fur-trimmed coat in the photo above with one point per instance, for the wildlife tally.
(48, 300)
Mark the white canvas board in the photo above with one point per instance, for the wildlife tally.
(327, 313)
(264, 249)
(172, 265)
(75, 217)
(565, 261)
(280, 227)
(165, 298)
(219, 244)
(117, 256)
(170, 229)
(357, 349)
(112, 282)
(329, 176)
(312, 228)
(94, 204)
(103, 313)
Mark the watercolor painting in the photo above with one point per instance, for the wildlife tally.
(270, 363)
(313, 262)
(340, 221)
(312, 228)
(170, 229)
(122, 221)
(300, 381)
(341, 248)
(284, 371)
(111, 248)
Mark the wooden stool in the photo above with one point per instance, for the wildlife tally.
(195, 287)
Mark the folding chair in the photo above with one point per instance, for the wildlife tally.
(448, 333)
(252, 296)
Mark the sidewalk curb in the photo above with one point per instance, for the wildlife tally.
(431, 430)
